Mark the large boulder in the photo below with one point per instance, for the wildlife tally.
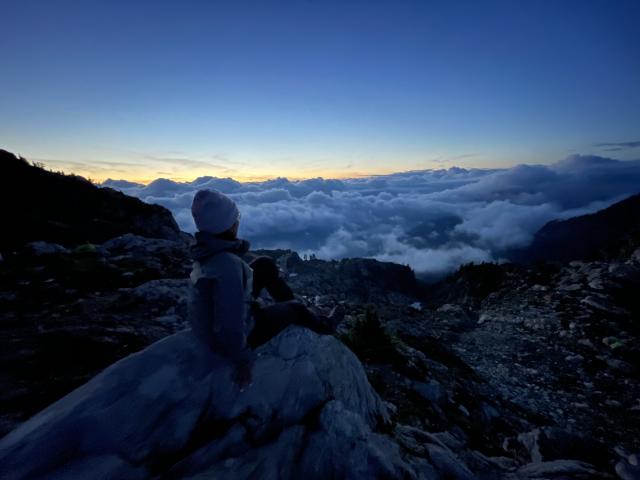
(172, 409)
(549, 444)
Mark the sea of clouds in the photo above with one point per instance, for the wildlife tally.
(432, 220)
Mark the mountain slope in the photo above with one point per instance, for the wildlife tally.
(36, 204)
(607, 234)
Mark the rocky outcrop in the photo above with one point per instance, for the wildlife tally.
(628, 468)
(360, 279)
(70, 312)
(70, 210)
(172, 410)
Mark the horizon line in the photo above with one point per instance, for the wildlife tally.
(250, 179)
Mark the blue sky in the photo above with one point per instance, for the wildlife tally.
(141, 90)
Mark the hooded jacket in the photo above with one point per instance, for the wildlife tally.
(219, 304)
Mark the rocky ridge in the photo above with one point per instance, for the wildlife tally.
(478, 371)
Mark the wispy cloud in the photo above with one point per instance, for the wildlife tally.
(83, 168)
(453, 158)
(185, 162)
(464, 155)
(113, 164)
(617, 146)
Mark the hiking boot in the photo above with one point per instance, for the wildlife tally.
(323, 323)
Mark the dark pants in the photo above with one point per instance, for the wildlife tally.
(272, 319)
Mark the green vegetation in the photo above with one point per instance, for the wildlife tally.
(371, 342)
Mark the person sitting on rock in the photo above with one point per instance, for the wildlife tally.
(223, 312)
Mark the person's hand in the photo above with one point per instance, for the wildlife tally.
(242, 376)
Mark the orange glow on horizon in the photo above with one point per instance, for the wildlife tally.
(145, 168)
(144, 171)
(293, 176)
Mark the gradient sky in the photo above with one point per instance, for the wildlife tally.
(179, 89)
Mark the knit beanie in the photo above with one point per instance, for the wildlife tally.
(213, 211)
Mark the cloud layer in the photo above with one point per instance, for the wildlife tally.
(432, 220)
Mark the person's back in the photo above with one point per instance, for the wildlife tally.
(219, 304)
(221, 296)
(223, 314)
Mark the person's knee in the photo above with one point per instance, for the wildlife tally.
(265, 267)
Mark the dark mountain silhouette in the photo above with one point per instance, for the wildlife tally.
(37, 204)
(612, 233)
